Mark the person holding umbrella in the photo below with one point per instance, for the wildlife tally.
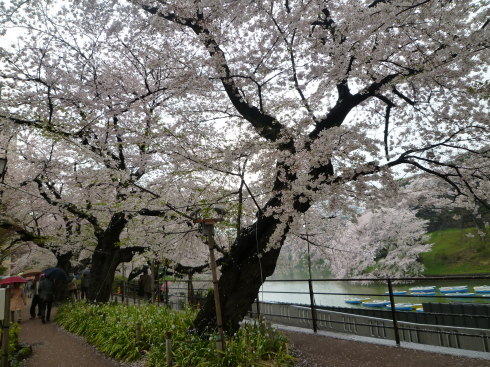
(16, 295)
(46, 293)
(17, 300)
(36, 300)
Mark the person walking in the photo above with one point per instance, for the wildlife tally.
(36, 300)
(17, 300)
(145, 284)
(46, 293)
(72, 288)
(84, 284)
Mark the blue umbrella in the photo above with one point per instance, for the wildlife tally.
(56, 274)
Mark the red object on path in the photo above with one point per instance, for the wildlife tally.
(12, 280)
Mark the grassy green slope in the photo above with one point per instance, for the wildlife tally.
(454, 252)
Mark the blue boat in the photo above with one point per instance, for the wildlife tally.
(482, 289)
(396, 293)
(430, 288)
(456, 289)
(376, 303)
(402, 306)
(355, 301)
(423, 294)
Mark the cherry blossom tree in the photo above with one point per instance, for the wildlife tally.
(343, 93)
(98, 148)
(383, 243)
(330, 100)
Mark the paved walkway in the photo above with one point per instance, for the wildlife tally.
(54, 347)
(333, 350)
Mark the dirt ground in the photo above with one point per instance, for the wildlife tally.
(54, 347)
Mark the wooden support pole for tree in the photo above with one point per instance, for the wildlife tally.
(208, 229)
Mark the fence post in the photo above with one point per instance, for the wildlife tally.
(393, 312)
(168, 348)
(190, 291)
(258, 306)
(313, 308)
(123, 288)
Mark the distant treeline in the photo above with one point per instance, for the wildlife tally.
(440, 219)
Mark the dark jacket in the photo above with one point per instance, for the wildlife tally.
(46, 289)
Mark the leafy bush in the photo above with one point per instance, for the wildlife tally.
(17, 351)
(112, 328)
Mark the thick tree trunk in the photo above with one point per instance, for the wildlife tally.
(107, 256)
(242, 274)
(104, 264)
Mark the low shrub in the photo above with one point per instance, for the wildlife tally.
(129, 333)
(17, 351)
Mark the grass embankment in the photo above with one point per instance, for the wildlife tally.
(112, 328)
(454, 252)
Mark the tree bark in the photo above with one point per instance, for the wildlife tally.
(106, 258)
(242, 274)
(104, 264)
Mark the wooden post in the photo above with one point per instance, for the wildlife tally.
(156, 281)
(5, 331)
(393, 312)
(138, 333)
(208, 229)
(168, 348)
(220, 345)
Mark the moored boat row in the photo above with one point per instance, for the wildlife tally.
(449, 292)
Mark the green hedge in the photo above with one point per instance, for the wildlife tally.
(111, 328)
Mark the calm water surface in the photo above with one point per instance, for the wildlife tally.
(298, 292)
